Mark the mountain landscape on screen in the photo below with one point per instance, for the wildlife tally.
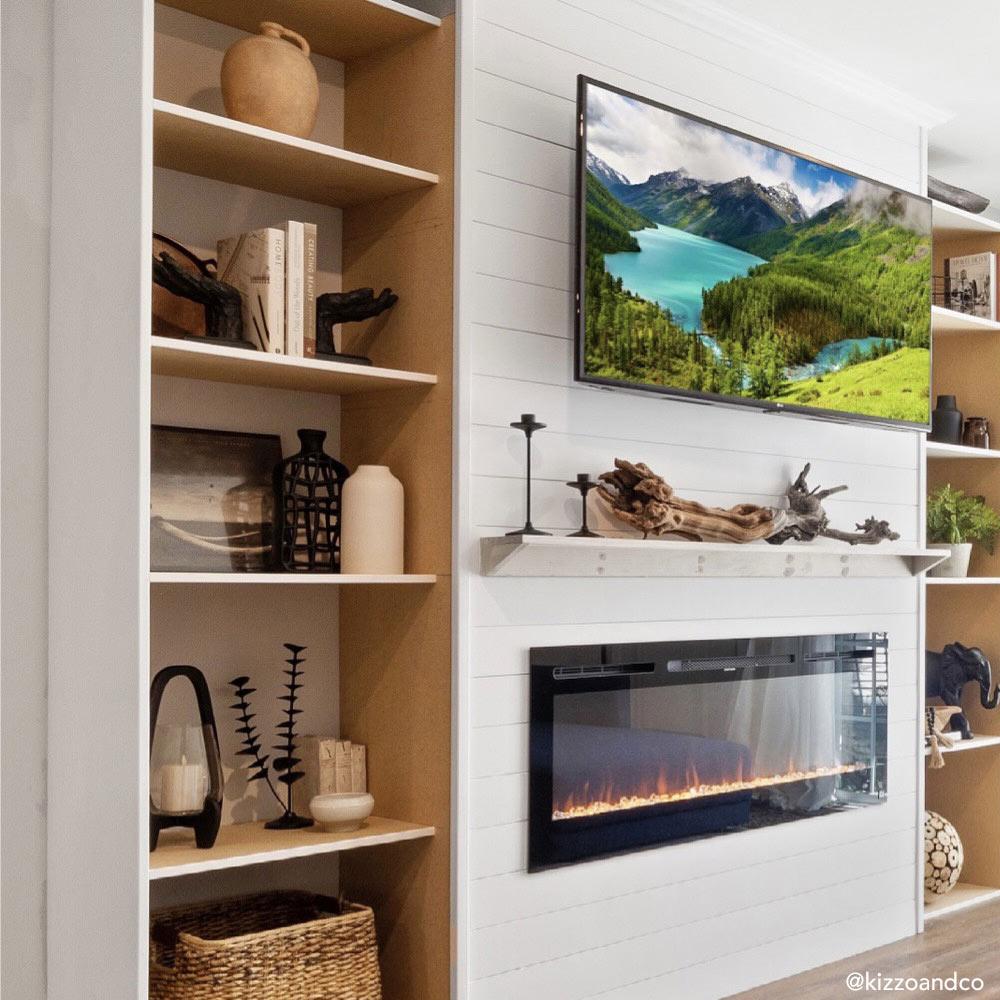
(717, 264)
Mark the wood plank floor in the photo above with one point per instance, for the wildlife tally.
(967, 942)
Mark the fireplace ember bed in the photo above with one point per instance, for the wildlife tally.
(638, 744)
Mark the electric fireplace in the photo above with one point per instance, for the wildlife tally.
(637, 744)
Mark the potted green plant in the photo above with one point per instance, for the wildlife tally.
(956, 520)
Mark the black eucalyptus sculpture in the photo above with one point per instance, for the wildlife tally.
(347, 307)
(283, 765)
(222, 302)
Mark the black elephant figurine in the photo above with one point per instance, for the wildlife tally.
(950, 670)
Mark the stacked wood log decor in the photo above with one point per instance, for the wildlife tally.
(643, 500)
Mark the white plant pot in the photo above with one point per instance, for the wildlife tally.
(957, 563)
(372, 530)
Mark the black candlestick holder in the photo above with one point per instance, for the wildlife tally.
(583, 484)
(528, 424)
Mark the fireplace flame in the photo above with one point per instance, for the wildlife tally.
(658, 792)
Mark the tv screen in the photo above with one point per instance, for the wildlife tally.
(718, 266)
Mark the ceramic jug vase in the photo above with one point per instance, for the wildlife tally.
(268, 80)
(372, 538)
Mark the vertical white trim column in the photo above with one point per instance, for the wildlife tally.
(98, 501)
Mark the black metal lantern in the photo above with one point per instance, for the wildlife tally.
(308, 489)
(185, 766)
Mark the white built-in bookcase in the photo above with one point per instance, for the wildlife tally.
(145, 148)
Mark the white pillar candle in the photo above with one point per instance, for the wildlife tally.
(182, 787)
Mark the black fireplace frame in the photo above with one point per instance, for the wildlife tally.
(552, 843)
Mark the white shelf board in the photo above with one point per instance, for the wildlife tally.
(945, 321)
(976, 743)
(207, 145)
(964, 581)
(291, 579)
(339, 29)
(209, 362)
(935, 449)
(250, 844)
(950, 222)
(962, 896)
(558, 556)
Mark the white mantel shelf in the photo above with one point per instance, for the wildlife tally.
(560, 556)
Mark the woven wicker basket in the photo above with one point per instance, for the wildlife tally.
(274, 946)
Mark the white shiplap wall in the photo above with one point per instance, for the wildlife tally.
(712, 917)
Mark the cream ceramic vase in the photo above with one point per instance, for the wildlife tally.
(371, 538)
(268, 80)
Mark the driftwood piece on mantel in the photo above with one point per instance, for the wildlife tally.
(643, 500)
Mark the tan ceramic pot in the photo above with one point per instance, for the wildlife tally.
(268, 80)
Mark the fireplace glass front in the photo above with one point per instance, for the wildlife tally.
(633, 745)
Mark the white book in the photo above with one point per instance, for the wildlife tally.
(309, 269)
(295, 289)
(254, 264)
(359, 770)
(343, 766)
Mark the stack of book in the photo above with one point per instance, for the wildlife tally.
(275, 272)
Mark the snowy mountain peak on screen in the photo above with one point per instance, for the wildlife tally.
(607, 175)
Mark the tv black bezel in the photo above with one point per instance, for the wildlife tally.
(709, 398)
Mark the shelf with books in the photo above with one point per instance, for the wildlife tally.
(207, 145)
(944, 321)
(196, 360)
(345, 30)
(245, 844)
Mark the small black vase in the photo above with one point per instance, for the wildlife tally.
(308, 489)
(946, 421)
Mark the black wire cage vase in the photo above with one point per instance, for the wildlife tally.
(308, 488)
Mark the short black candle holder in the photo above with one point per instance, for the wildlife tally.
(528, 425)
(583, 484)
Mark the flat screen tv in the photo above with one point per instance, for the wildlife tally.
(716, 266)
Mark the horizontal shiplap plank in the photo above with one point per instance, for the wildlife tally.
(523, 158)
(587, 973)
(520, 305)
(551, 936)
(516, 601)
(502, 650)
(501, 252)
(587, 412)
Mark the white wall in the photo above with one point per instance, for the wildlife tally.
(712, 917)
(26, 178)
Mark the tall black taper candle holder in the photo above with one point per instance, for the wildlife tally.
(583, 484)
(528, 424)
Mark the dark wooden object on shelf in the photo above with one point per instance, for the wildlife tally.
(643, 500)
(348, 307)
(222, 302)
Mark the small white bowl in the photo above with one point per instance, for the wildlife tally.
(342, 812)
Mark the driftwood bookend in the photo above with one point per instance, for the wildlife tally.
(333, 308)
(643, 500)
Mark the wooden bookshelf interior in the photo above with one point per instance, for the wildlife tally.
(967, 364)
(378, 182)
